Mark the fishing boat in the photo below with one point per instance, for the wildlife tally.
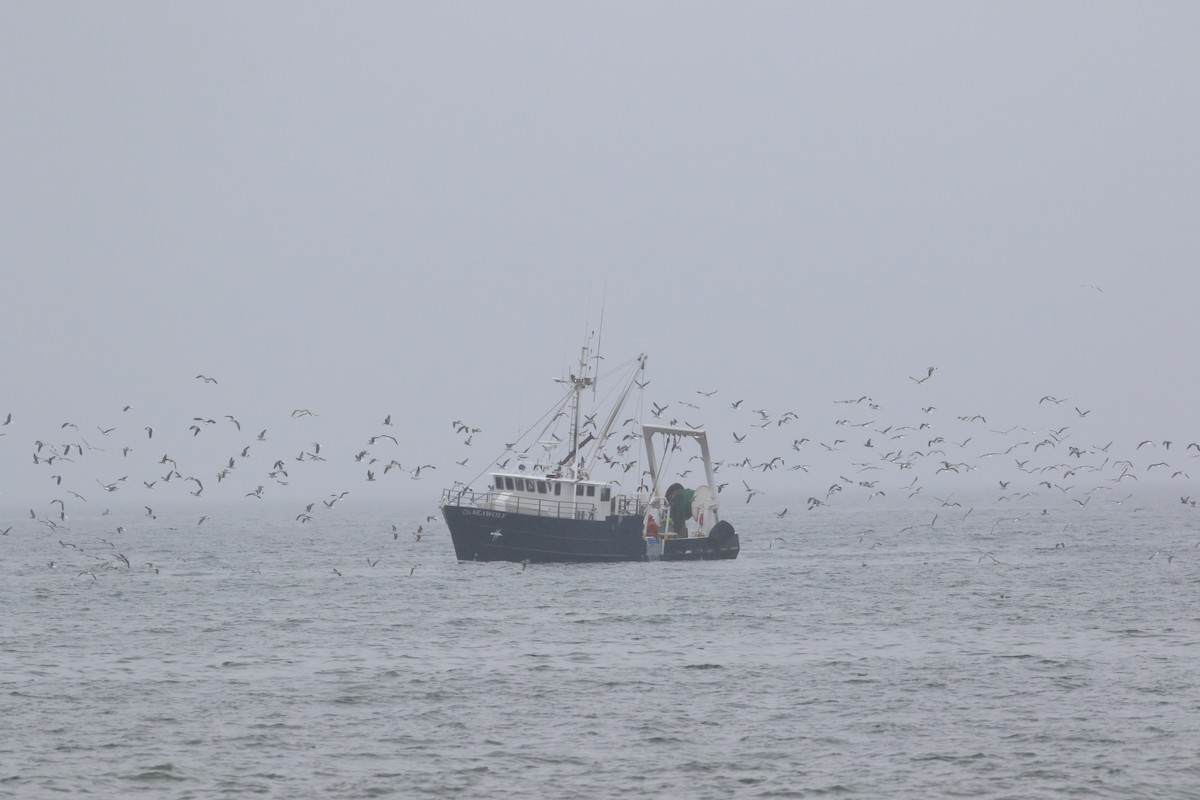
(545, 502)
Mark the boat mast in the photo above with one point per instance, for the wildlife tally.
(578, 382)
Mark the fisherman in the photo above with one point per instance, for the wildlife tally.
(680, 500)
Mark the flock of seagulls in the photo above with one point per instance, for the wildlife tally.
(902, 449)
(862, 449)
(865, 449)
(175, 461)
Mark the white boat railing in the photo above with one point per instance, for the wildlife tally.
(559, 509)
(516, 504)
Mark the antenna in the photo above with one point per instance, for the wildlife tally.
(599, 338)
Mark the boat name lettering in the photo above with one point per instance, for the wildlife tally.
(480, 513)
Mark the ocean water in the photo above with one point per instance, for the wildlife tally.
(849, 652)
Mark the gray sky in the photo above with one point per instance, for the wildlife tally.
(419, 209)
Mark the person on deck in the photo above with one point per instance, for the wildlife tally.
(680, 500)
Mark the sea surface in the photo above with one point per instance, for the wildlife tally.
(849, 652)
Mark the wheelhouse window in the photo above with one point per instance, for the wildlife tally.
(508, 484)
(578, 490)
(557, 489)
(605, 494)
(541, 487)
(591, 491)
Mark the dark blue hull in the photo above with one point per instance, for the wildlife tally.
(486, 535)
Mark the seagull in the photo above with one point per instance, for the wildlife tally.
(206, 379)
(496, 534)
(303, 412)
(414, 569)
(928, 375)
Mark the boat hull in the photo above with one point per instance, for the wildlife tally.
(490, 535)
